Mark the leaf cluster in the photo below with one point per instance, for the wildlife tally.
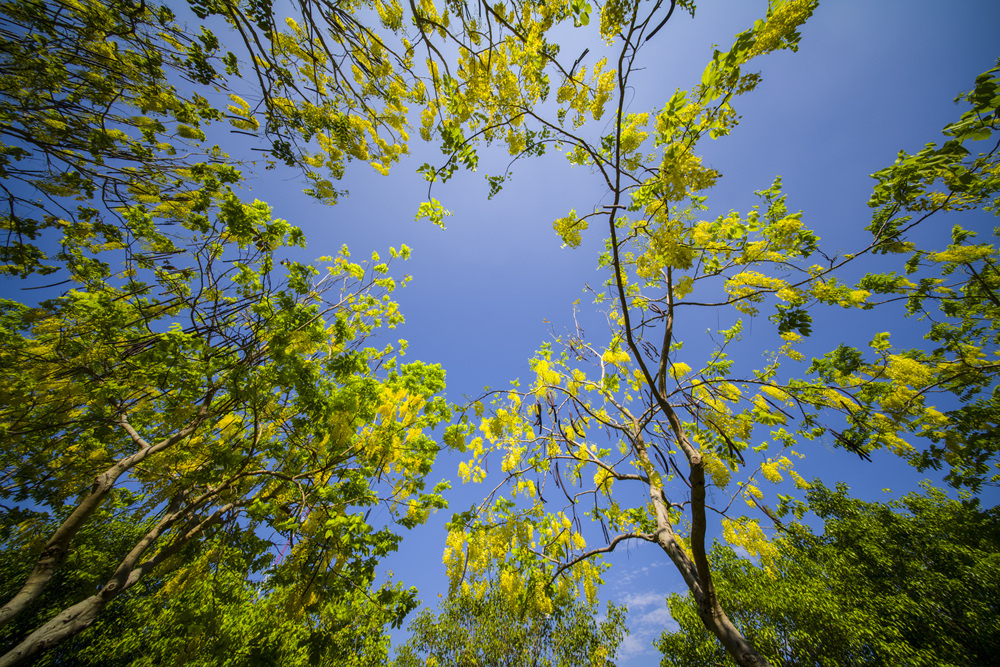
(912, 581)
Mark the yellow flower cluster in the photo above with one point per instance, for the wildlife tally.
(909, 372)
(783, 19)
(747, 533)
(545, 376)
(681, 172)
(615, 355)
(664, 247)
(716, 468)
(750, 287)
(569, 229)
(772, 469)
(613, 16)
(962, 254)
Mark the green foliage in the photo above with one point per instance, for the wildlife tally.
(643, 440)
(98, 547)
(500, 630)
(910, 582)
(87, 113)
(231, 391)
(213, 605)
(232, 405)
(956, 288)
(220, 618)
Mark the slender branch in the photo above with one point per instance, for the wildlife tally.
(648, 537)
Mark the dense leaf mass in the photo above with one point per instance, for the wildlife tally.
(501, 629)
(915, 581)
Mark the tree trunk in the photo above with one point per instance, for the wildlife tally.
(715, 619)
(58, 545)
(65, 624)
(81, 615)
(709, 610)
(696, 574)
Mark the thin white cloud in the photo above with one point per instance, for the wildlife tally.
(658, 618)
(631, 648)
(641, 600)
(648, 615)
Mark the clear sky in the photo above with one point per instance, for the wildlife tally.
(871, 78)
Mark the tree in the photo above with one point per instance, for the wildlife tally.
(219, 394)
(956, 291)
(233, 399)
(228, 406)
(500, 628)
(218, 604)
(913, 581)
(690, 435)
(109, 103)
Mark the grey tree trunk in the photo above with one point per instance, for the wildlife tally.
(696, 571)
(64, 625)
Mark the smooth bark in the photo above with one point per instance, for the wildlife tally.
(80, 616)
(58, 545)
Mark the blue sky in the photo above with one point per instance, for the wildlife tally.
(871, 78)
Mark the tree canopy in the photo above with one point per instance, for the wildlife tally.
(500, 628)
(912, 581)
(694, 435)
(219, 396)
(198, 429)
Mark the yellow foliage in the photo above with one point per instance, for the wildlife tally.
(772, 469)
(910, 372)
(716, 468)
(747, 534)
